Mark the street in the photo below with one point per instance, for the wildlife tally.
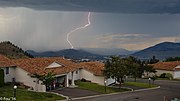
(168, 91)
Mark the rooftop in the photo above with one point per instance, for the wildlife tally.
(94, 67)
(56, 65)
(167, 65)
(5, 62)
(39, 65)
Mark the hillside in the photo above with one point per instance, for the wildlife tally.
(108, 51)
(69, 53)
(161, 51)
(11, 51)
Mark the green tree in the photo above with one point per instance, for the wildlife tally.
(149, 69)
(135, 70)
(172, 59)
(116, 68)
(133, 67)
(153, 60)
(141, 68)
(47, 79)
(154, 77)
(169, 76)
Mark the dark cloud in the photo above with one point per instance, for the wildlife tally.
(118, 6)
(43, 24)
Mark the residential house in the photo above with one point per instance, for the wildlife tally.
(93, 71)
(62, 68)
(66, 71)
(9, 68)
(168, 67)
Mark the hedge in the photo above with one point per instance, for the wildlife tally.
(1, 77)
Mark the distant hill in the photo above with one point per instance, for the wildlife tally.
(108, 51)
(69, 53)
(12, 51)
(161, 51)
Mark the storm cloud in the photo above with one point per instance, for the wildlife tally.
(42, 25)
(118, 6)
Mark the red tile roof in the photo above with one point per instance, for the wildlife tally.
(3, 58)
(95, 67)
(38, 65)
(5, 62)
(167, 65)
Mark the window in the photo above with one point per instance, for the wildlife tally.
(77, 72)
(7, 70)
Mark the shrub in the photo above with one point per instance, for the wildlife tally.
(169, 76)
(1, 77)
(84, 80)
(166, 75)
(8, 83)
(163, 75)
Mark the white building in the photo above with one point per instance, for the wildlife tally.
(93, 71)
(168, 67)
(66, 71)
(9, 68)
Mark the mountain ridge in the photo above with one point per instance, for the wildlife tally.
(161, 51)
(108, 51)
(69, 53)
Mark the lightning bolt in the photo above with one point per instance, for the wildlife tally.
(79, 28)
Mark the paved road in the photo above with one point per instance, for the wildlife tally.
(169, 89)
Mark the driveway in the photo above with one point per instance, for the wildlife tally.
(76, 92)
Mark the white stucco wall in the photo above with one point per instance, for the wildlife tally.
(177, 74)
(8, 77)
(76, 75)
(177, 66)
(159, 72)
(22, 76)
(39, 87)
(54, 65)
(93, 78)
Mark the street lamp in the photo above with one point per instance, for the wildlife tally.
(149, 81)
(15, 87)
(105, 84)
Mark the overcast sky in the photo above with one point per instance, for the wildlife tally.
(43, 25)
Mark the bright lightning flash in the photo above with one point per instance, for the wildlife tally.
(79, 28)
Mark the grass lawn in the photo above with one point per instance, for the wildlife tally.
(25, 95)
(176, 79)
(140, 84)
(168, 79)
(99, 88)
